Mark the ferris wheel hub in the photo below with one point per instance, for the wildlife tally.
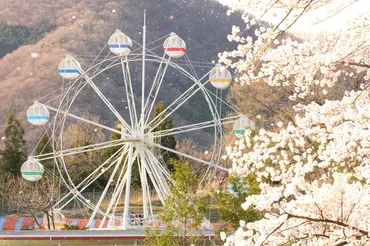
(139, 136)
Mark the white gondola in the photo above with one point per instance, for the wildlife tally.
(220, 77)
(241, 125)
(69, 68)
(38, 115)
(32, 170)
(54, 220)
(174, 46)
(120, 44)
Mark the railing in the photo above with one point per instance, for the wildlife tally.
(94, 196)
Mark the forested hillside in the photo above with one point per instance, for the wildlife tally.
(14, 36)
(82, 28)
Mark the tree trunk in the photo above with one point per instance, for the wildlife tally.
(48, 219)
(34, 218)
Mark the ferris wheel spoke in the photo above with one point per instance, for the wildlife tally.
(128, 186)
(156, 173)
(79, 118)
(129, 91)
(161, 174)
(76, 196)
(195, 127)
(79, 150)
(168, 108)
(118, 189)
(106, 101)
(210, 164)
(168, 111)
(145, 187)
(187, 60)
(153, 175)
(184, 97)
(220, 100)
(111, 179)
(205, 91)
(107, 164)
(156, 183)
(120, 184)
(156, 85)
(89, 180)
(158, 163)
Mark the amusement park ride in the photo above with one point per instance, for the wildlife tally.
(137, 138)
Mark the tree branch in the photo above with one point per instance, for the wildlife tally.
(324, 220)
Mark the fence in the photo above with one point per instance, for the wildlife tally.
(94, 196)
(73, 209)
(135, 198)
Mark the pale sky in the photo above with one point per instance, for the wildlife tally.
(332, 24)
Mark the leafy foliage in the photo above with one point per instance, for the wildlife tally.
(183, 212)
(229, 201)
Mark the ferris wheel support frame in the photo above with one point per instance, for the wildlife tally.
(143, 76)
(128, 186)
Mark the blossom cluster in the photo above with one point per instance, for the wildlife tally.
(270, 55)
(327, 215)
(314, 172)
(314, 176)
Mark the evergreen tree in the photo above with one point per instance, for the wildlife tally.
(14, 154)
(14, 36)
(183, 212)
(167, 141)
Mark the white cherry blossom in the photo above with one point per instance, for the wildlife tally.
(314, 172)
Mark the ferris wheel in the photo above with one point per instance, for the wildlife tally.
(138, 142)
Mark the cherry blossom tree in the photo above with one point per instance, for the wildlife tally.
(305, 67)
(313, 169)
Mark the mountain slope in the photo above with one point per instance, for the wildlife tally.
(83, 28)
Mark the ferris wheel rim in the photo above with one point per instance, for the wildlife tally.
(74, 97)
(85, 79)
